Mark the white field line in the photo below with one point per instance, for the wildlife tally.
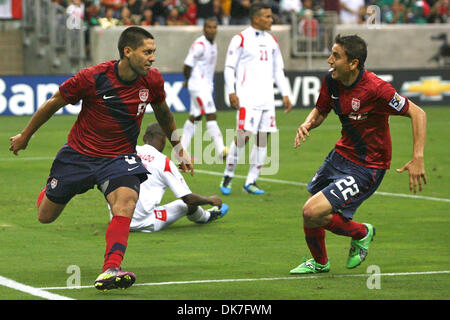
(301, 184)
(294, 183)
(267, 279)
(31, 290)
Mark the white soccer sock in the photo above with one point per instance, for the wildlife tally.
(234, 154)
(257, 158)
(214, 131)
(188, 133)
(200, 215)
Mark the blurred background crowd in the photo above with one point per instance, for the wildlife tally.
(110, 13)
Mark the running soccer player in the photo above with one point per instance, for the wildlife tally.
(198, 70)
(149, 215)
(101, 147)
(354, 169)
(252, 64)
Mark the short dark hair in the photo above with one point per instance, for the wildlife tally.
(355, 48)
(210, 19)
(256, 7)
(154, 129)
(132, 37)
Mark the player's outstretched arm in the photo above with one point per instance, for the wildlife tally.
(416, 166)
(167, 123)
(313, 120)
(45, 112)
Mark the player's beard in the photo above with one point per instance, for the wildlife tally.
(140, 71)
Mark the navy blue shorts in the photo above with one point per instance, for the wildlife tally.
(344, 183)
(74, 173)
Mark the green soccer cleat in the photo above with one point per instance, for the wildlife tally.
(114, 278)
(360, 248)
(311, 266)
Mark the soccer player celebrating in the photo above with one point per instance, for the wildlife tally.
(101, 144)
(149, 216)
(353, 170)
(198, 70)
(252, 63)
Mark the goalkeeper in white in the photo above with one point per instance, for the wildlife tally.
(148, 215)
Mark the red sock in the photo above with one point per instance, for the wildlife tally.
(116, 241)
(346, 227)
(315, 239)
(40, 197)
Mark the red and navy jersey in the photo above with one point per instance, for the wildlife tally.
(112, 110)
(363, 109)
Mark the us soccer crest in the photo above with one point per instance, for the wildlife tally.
(356, 104)
(143, 94)
(54, 183)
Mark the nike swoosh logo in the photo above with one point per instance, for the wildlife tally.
(131, 169)
(105, 97)
(334, 194)
(333, 97)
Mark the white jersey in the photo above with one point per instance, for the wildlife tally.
(202, 58)
(252, 64)
(163, 173)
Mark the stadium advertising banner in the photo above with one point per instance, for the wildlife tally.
(22, 95)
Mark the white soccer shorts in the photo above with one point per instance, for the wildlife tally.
(256, 120)
(202, 102)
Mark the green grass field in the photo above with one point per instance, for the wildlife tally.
(253, 248)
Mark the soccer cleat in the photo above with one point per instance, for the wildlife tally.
(253, 189)
(216, 213)
(224, 153)
(360, 248)
(311, 266)
(225, 185)
(114, 278)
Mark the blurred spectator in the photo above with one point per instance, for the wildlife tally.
(309, 26)
(190, 14)
(205, 10)
(136, 7)
(174, 19)
(76, 9)
(289, 8)
(147, 18)
(240, 10)
(439, 12)
(125, 19)
(392, 11)
(91, 11)
(418, 12)
(352, 11)
(109, 21)
(116, 5)
(218, 12)
(226, 8)
(160, 9)
(331, 5)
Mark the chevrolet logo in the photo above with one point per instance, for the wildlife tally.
(427, 88)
